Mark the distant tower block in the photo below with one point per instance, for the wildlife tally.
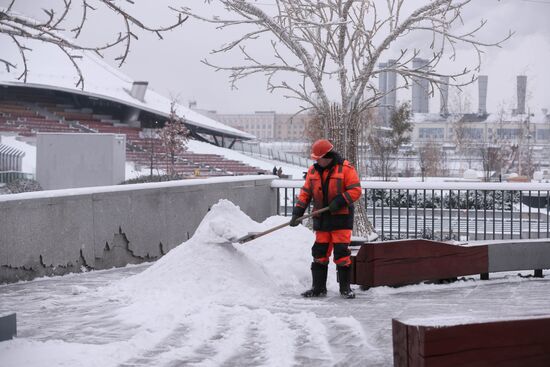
(391, 85)
(382, 83)
(420, 88)
(522, 90)
(387, 83)
(482, 83)
(444, 95)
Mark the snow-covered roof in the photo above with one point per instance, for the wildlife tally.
(426, 117)
(49, 68)
(537, 117)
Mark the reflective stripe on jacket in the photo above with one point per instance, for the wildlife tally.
(339, 181)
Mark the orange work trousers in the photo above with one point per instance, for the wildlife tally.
(327, 242)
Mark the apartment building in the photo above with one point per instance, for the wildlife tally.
(265, 125)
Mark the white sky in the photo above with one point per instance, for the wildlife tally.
(173, 67)
(527, 53)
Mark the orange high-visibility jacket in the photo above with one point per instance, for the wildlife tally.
(338, 182)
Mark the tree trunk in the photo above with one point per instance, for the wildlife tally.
(343, 132)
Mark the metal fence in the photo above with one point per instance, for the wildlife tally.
(10, 176)
(11, 159)
(462, 211)
(270, 153)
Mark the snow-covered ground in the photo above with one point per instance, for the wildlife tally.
(209, 302)
(295, 172)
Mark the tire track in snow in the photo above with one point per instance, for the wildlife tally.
(311, 343)
(349, 343)
(179, 347)
(152, 357)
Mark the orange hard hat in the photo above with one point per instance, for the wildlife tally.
(320, 148)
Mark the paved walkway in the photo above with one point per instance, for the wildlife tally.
(325, 332)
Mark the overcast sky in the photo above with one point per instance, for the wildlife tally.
(172, 66)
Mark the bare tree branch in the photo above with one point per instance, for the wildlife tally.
(53, 30)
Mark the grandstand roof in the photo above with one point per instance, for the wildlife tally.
(49, 68)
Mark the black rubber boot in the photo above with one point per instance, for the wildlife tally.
(344, 280)
(319, 276)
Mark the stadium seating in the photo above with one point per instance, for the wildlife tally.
(27, 113)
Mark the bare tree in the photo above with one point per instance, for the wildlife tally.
(385, 142)
(323, 43)
(56, 27)
(431, 159)
(320, 41)
(313, 131)
(526, 163)
(459, 106)
(492, 156)
(174, 136)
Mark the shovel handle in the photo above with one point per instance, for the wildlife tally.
(285, 224)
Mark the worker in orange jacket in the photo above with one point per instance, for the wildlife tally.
(332, 182)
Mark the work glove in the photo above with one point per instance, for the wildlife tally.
(338, 203)
(297, 212)
(294, 220)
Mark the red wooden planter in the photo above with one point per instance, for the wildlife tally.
(498, 343)
(411, 261)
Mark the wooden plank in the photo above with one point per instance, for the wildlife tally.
(507, 343)
(400, 346)
(410, 261)
(363, 272)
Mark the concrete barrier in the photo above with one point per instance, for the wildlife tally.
(60, 231)
(8, 327)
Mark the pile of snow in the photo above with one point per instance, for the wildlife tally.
(210, 270)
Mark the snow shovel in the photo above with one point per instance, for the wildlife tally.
(254, 235)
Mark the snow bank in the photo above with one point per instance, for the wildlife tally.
(210, 270)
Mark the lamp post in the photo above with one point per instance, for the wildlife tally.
(151, 140)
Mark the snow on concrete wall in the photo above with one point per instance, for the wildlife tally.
(73, 230)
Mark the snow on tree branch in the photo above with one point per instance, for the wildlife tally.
(346, 40)
(57, 30)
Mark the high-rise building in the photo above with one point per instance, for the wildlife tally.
(521, 93)
(444, 95)
(482, 83)
(420, 88)
(387, 86)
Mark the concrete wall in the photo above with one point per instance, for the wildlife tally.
(67, 160)
(54, 232)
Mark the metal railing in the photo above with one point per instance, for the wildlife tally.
(462, 211)
(270, 153)
(10, 176)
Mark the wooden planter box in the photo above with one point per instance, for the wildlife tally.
(403, 262)
(506, 343)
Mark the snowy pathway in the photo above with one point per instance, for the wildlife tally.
(208, 304)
